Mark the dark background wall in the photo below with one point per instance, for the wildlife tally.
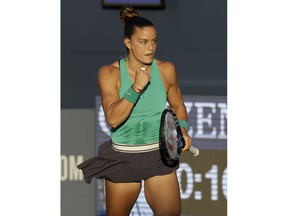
(192, 34)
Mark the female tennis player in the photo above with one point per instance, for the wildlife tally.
(134, 92)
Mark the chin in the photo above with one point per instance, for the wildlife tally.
(148, 62)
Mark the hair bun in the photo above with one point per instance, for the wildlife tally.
(127, 13)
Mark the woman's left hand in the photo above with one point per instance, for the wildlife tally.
(187, 139)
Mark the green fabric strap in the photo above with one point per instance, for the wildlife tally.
(183, 123)
(131, 95)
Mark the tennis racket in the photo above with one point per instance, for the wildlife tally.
(171, 139)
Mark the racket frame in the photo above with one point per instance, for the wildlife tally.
(167, 159)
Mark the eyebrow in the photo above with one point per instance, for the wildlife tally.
(144, 39)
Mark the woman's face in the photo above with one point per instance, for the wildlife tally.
(142, 44)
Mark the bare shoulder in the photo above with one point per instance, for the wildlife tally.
(167, 71)
(109, 70)
(166, 66)
(109, 75)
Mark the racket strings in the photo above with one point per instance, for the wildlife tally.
(171, 136)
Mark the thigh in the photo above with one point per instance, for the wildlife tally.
(163, 195)
(120, 197)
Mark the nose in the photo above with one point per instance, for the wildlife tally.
(151, 46)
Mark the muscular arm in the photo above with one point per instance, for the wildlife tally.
(175, 97)
(116, 110)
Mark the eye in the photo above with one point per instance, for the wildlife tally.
(154, 41)
(143, 42)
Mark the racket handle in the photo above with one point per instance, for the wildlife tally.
(195, 151)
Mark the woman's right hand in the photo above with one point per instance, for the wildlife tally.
(142, 78)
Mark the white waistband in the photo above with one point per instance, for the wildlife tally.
(125, 148)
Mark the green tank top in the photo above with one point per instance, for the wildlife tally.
(142, 126)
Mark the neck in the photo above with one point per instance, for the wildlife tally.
(134, 66)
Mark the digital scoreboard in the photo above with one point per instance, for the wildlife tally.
(202, 179)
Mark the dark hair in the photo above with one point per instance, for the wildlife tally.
(132, 19)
